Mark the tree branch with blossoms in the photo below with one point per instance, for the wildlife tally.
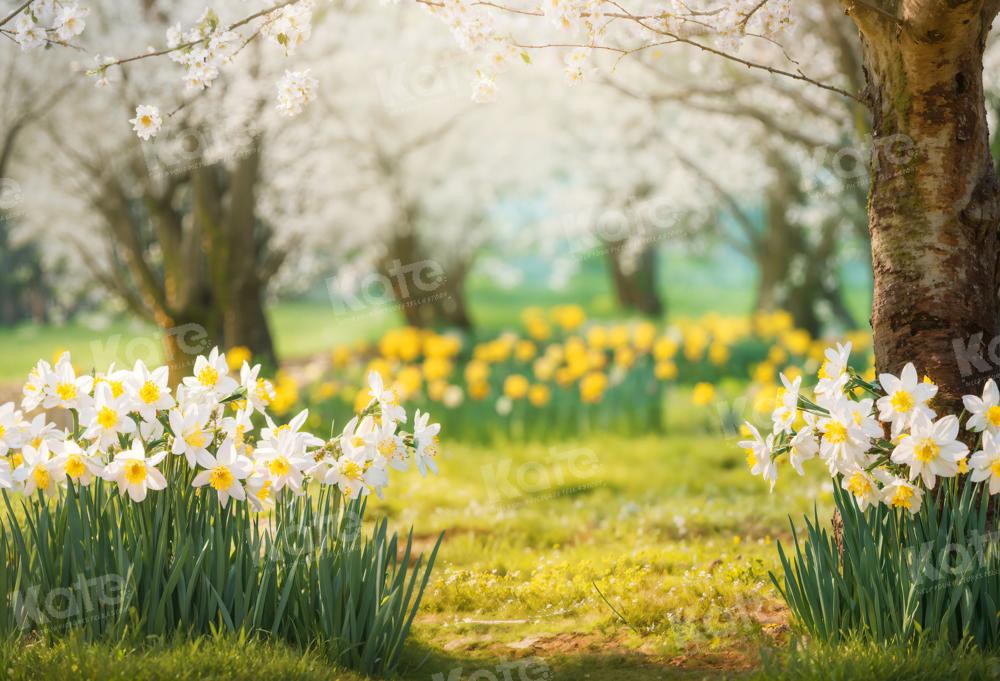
(726, 24)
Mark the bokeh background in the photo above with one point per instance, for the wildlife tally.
(590, 280)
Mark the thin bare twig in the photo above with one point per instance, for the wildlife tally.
(9, 17)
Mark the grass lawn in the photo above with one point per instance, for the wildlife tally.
(603, 559)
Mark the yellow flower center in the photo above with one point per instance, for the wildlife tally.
(195, 439)
(279, 466)
(902, 498)
(16, 459)
(208, 376)
(751, 458)
(901, 401)
(116, 388)
(41, 477)
(993, 416)
(107, 418)
(149, 392)
(221, 478)
(265, 491)
(926, 450)
(146, 121)
(352, 470)
(859, 486)
(262, 393)
(836, 432)
(3, 431)
(74, 466)
(135, 472)
(358, 441)
(387, 447)
(66, 391)
(823, 370)
(995, 467)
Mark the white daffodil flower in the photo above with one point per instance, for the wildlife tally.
(39, 471)
(905, 397)
(225, 472)
(932, 449)
(985, 463)
(760, 455)
(191, 435)
(425, 442)
(984, 411)
(135, 473)
(106, 418)
(150, 390)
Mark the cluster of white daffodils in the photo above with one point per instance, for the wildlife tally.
(48, 21)
(215, 429)
(882, 440)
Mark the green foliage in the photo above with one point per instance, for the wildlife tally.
(933, 576)
(95, 564)
(855, 660)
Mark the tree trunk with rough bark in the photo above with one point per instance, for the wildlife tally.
(933, 210)
(634, 278)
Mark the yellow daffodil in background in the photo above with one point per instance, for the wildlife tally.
(479, 390)
(592, 387)
(539, 395)
(569, 317)
(286, 393)
(597, 337)
(558, 358)
(437, 368)
(665, 348)
(515, 386)
(525, 351)
(665, 370)
(718, 353)
(236, 356)
(644, 336)
(408, 381)
(476, 371)
(341, 356)
(436, 389)
(703, 394)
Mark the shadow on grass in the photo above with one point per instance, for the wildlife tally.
(483, 662)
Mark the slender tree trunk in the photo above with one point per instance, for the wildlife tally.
(933, 212)
(242, 294)
(452, 309)
(427, 297)
(634, 279)
(186, 336)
